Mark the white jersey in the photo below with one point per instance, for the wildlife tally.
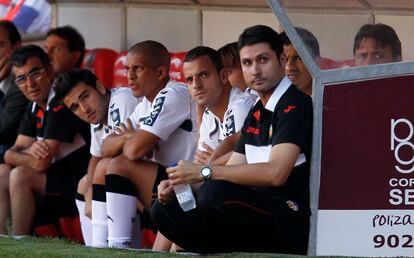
(121, 104)
(213, 131)
(172, 118)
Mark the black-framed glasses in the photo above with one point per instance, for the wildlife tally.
(35, 74)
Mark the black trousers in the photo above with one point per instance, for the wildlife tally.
(234, 218)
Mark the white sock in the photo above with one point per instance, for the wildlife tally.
(121, 203)
(84, 221)
(121, 219)
(99, 224)
(99, 217)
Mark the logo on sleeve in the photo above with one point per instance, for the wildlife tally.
(230, 126)
(116, 118)
(289, 108)
(156, 109)
(256, 115)
(57, 108)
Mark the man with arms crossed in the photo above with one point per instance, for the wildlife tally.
(85, 96)
(50, 154)
(226, 107)
(164, 132)
(259, 201)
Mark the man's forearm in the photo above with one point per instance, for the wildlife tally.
(112, 145)
(17, 158)
(20, 158)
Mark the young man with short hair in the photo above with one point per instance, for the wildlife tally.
(104, 110)
(226, 107)
(259, 201)
(51, 152)
(376, 44)
(163, 131)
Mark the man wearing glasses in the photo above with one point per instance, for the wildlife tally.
(51, 152)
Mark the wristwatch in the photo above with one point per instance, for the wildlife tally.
(205, 172)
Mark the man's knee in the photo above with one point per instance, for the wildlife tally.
(23, 177)
(100, 171)
(20, 177)
(117, 165)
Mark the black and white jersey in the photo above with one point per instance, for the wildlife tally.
(56, 123)
(121, 104)
(172, 117)
(213, 130)
(286, 118)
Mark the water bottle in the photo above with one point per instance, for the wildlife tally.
(184, 196)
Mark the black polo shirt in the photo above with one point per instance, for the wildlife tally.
(57, 123)
(286, 118)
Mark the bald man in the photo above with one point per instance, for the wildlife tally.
(161, 131)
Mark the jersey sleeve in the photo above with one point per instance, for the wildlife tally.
(294, 124)
(169, 110)
(121, 106)
(28, 123)
(236, 115)
(204, 133)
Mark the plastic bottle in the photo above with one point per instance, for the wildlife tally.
(184, 196)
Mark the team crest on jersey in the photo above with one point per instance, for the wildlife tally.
(150, 120)
(116, 118)
(230, 126)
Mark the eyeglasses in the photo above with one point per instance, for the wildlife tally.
(35, 74)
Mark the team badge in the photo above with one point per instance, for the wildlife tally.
(292, 205)
(230, 127)
(150, 120)
(116, 118)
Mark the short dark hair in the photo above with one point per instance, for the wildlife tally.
(205, 51)
(14, 34)
(229, 55)
(21, 55)
(73, 38)
(382, 34)
(66, 81)
(308, 38)
(157, 54)
(261, 34)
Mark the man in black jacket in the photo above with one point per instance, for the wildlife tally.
(12, 101)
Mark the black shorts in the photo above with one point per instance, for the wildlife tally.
(63, 176)
(62, 179)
